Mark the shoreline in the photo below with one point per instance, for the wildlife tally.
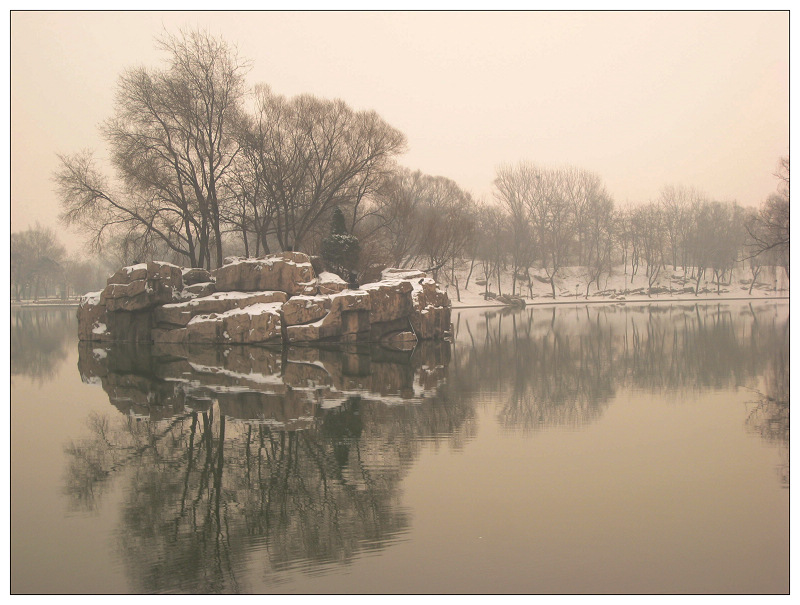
(613, 301)
(33, 305)
(458, 306)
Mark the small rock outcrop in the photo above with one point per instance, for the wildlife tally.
(275, 299)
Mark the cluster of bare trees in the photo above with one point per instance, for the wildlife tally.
(41, 268)
(36, 262)
(549, 219)
(206, 168)
(554, 217)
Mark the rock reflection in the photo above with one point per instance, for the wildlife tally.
(235, 456)
(39, 340)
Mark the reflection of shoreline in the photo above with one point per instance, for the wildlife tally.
(562, 365)
(579, 302)
(39, 340)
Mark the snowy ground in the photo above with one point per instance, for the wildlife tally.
(617, 287)
(571, 287)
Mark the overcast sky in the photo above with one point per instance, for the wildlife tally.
(642, 99)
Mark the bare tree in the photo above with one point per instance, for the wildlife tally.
(398, 202)
(172, 145)
(770, 229)
(599, 238)
(491, 228)
(514, 190)
(311, 155)
(36, 262)
(549, 209)
(648, 224)
(675, 202)
(583, 191)
(445, 222)
(427, 221)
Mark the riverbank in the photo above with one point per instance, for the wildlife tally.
(24, 304)
(617, 287)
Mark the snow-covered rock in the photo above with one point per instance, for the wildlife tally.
(348, 316)
(152, 303)
(179, 314)
(289, 272)
(430, 318)
(143, 286)
(256, 324)
(389, 299)
(196, 275)
(91, 316)
(305, 309)
(330, 283)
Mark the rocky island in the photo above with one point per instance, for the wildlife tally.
(276, 299)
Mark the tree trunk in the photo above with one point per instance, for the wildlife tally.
(454, 279)
(697, 281)
(753, 282)
(471, 266)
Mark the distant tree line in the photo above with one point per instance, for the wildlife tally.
(549, 219)
(41, 268)
(206, 168)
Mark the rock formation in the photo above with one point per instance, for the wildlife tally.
(275, 299)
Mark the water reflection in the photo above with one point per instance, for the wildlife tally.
(39, 340)
(294, 454)
(293, 459)
(770, 417)
(561, 366)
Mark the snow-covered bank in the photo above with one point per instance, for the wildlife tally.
(671, 286)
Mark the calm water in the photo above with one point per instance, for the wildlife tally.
(569, 449)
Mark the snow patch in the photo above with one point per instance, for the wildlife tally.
(91, 298)
(272, 379)
(218, 296)
(255, 310)
(330, 278)
(99, 328)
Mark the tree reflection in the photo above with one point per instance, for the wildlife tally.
(292, 458)
(561, 366)
(39, 340)
(236, 454)
(769, 418)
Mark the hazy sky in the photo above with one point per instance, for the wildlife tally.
(643, 99)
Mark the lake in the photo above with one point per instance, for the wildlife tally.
(631, 448)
